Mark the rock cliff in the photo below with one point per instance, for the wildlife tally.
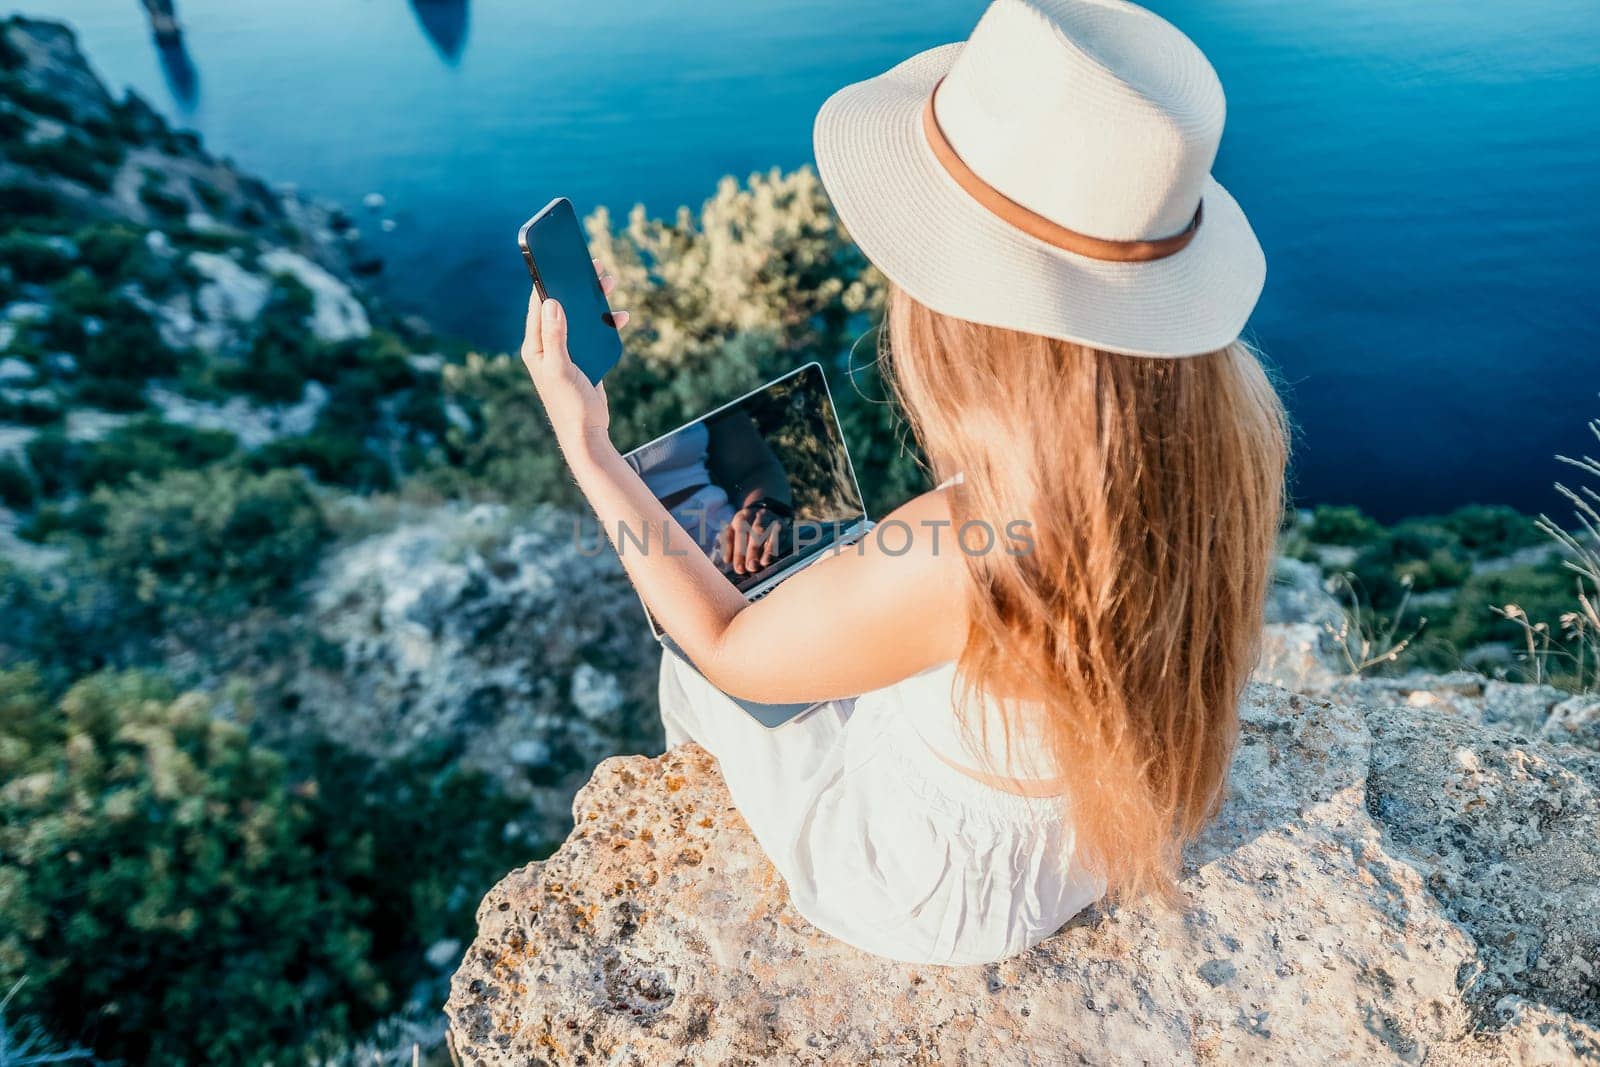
(1385, 884)
(456, 623)
(68, 140)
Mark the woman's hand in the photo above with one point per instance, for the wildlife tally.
(750, 541)
(577, 409)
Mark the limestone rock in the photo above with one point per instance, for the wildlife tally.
(1506, 835)
(230, 293)
(336, 314)
(252, 423)
(54, 67)
(1575, 721)
(1297, 650)
(1298, 595)
(1295, 656)
(1517, 709)
(1372, 892)
(456, 627)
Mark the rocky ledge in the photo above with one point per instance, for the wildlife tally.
(1385, 884)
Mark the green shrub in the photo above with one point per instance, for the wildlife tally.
(30, 409)
(202, 240)
(146, 446)
(1543, 592)
(23, 203)
(1419, 550)
(11, 57)
(89, 161)
(17, 487)
(28, 613)
(119, 354)
(209, 543)
(507, 449)
(332, 454)
(180, 895)
(380, 410)
(64, 622)
(423, 885)
(209, 195)
(34, 259)
(128, 347)
(39, 102)
(366, 370)
(13, 123)
(117, 253)
(79, 521)
(112, 394)
(252, 214)
(77, 296)
(111, 249)
(57, 461)
(164, 276)
(1332, 525)
(167, 892)
(283, 352)
(150, 447)
(184, 142)
(160, 201)
(1493, 530)
(1430, 552)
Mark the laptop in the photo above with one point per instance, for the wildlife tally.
(780, 446)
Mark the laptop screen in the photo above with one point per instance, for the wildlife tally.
(761, 484)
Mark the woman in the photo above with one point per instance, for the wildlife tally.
(1011, 733)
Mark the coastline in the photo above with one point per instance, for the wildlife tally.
(247, 507)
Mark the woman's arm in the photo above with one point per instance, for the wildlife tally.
(865, 618)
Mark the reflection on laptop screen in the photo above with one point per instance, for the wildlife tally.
(778, 456)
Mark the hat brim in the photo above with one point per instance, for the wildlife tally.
(924, 232)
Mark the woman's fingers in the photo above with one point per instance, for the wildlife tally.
(532, 340)
(756, 542)
(553, 329)
(749, 543)
(738, 549)
(608, 284)
(730, 545)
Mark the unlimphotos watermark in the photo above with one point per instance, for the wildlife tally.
(892, 537)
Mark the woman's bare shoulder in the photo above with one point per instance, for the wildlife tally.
(923, 527)
(916, 543)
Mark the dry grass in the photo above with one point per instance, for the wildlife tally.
(24, 1044)
(1572, 646)
(1361, 638)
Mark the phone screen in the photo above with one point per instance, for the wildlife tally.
(558, 258)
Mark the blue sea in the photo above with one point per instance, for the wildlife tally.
(1425, 175)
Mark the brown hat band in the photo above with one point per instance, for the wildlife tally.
(1035, 225)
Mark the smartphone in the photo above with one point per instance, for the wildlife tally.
(558, 259)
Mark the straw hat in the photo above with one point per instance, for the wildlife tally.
(1051, 175)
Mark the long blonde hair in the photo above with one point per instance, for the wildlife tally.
(1152, 489)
